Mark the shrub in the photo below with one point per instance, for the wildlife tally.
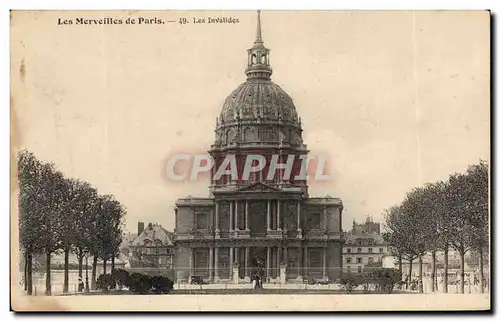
(380, 279)
(348, 282)
(105, 282)
(161, 284)
(139, 283)
(122, 278)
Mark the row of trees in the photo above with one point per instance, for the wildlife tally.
(59, 214)
(443, 215)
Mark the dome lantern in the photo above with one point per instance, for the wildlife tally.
(258, 57)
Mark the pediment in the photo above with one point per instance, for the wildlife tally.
(258, 187)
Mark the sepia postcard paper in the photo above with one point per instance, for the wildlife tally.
(250, 160)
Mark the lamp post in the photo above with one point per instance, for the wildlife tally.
(87, 272)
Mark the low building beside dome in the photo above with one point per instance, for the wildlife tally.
(151, 251)
(265, 223)
(364, 247)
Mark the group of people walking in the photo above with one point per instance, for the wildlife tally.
(256, 281)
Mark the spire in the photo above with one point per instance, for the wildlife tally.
(258, 36)
(258, 57)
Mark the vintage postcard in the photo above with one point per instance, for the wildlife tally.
(250, 160)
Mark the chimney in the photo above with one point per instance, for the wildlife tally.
(140, 227)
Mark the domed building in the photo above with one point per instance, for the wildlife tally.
(259, 218)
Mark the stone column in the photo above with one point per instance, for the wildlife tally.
(298, 216)
(236, 226)
(325, 225)
(217, 230)
(278, 256)
(324, 263)
(300, 268)
(191, 261)
(231, 259)
(278, 221)
(247, 259)
(268, 263)
(216, 263)
(269, 215)
(247, 228)
(230, 216)
(285, 255)
(237, 255)
(210, 262)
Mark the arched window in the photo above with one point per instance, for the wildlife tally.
(254, 59)
(229, 136)
(247, 134)
(263, 59)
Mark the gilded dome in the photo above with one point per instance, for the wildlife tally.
(259, 100)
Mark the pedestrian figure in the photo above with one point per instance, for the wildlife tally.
(80, 284)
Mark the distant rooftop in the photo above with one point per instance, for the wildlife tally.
(153, 233)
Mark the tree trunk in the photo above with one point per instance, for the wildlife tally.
(80, 265)
(25, 281)
(29, 277)
(400, 263)
(94, 270)
(112, 264)
(66, 271)
(104, 266)
(420, 278)
(481, 271)
(433, 272)
(410, 270)
(462, 271)
(48, 288)
(445, 289)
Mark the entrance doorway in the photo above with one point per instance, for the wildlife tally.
(257, 262)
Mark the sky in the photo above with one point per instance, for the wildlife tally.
(394, 99)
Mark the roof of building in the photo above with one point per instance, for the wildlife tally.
(352, 238)
(154, 233)
(259, 98)
(258, 101)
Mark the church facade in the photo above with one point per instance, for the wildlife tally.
(263, 220)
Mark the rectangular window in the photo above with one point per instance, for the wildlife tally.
(370, 250)
(381, 250)
(370, 260)
(348, 260)
(359, 260)
(348, 250)
(201, 221)
(359, 250)
(315, 257)
(314, 220)
(359, 269)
